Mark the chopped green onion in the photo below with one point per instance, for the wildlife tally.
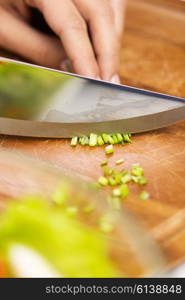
(93, 140)
(100, 140)
(103, 181)
(115, 139)
(139, 179)
(118, 177)
(112, 181)
(126, 138)
(124, 190)
(111, 140)
(144, 195)
(105, 138)
(107, 171)
(116, 192)
(119, 137)
(74, 141)
(119, 162)
(80, 140)
(137, 170)
(135, 179)
(126, 178)
(109, 149)
(84, 140)
(104, 163)
(142, 180)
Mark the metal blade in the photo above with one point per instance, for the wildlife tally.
(41, 102)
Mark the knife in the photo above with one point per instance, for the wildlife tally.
(42, 102)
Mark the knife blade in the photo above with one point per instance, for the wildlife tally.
(42, 102)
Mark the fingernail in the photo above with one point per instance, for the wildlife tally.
(66, 65)
(98, 78)
(115, 79)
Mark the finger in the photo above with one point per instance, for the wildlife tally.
(119, 7)
(105, 40)
(22, 8)
(67, 66)
(17, 8)
(65, 20)
(19, 37)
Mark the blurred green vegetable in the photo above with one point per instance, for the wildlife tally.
(24, 91)
(73, 249)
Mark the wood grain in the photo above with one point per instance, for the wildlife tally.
(153, 56)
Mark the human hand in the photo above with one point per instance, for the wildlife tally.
(89, 34)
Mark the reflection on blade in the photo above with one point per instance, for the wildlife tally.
(60, 101)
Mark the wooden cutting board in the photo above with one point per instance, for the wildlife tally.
(153, 57)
